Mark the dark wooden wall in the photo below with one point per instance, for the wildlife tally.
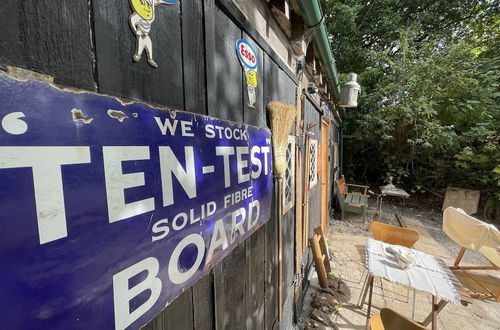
(88, 44)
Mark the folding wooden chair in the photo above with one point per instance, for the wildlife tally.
(470, 232)
(394, 235)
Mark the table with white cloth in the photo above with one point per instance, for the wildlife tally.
(429, 274)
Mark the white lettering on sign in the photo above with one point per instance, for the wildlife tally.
(161, 226)
(255, 161)
(221, 132)
(170, 165)
(225, 152)
(237, 225)
(122, 294)
(242, 164)
(46, 163)
(117, 182)
(13, 124)
(177, 276)
(253, 216)
(219, 240)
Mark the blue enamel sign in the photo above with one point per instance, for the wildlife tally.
(109, 208)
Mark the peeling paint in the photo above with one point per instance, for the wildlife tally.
(25, 75)
(120, 115)
(79, 116)
(135, 114)
(122, 101)
(172, 114)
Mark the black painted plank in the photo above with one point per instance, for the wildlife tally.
(255, 280)
(50, 37)
(229, 284)
(156, 323)
(271, 80)
(271, 271)
(237, 16)
(179, 314)
(203, 303)
(288, 234)
(193, 51)
(287, 90)
(277, 85)
(255, 116)
(225, 74)
(209, 10)
(115, 46)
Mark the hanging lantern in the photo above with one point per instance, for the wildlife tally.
(349, 92)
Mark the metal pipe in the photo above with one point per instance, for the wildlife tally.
(313, 17)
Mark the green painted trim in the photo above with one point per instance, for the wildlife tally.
(312, 15)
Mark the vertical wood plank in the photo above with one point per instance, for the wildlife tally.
(271, 76)
(255, 277)
(225, 75)
(179, 314)
(50, 37)
(270, 314)
(229, 290)
(203, 303)
(193, 52)
(288, 231)
(115, 45)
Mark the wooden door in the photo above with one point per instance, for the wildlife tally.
(325, 173)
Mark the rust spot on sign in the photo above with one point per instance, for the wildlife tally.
(120, 115)
(135, 114)
(79, 116)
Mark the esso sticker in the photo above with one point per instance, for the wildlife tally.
(246, 54)
(145, 24)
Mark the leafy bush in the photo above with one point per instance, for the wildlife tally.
(429, 112)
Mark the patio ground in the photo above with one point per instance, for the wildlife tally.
(346, 241)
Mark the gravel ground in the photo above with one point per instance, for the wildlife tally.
(429, 215)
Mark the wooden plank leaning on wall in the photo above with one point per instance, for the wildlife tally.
(299, 148)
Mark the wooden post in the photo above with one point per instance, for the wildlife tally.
(459, 256)
(322, 244)
(298, 189)
(369, 303)
(305, 209)
(319, 261)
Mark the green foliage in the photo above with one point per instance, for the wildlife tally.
(429, 113)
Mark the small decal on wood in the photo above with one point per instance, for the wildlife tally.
(140, 22)
(249, 62)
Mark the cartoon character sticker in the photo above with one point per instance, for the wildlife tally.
(249, 61)
(140, 22)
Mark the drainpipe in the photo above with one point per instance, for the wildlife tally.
(313, 18)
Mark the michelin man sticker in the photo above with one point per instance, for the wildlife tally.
(140, 22)
(249, 62)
